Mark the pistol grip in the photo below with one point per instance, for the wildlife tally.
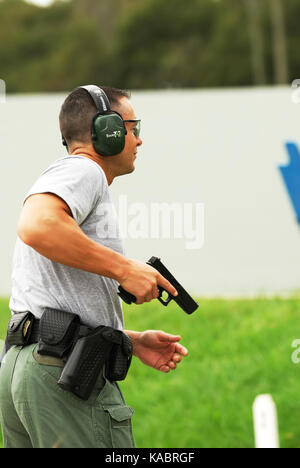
(126, 296)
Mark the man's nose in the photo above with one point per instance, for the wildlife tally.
(139, 142)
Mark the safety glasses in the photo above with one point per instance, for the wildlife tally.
(136, 128)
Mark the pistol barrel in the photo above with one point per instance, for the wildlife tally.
(184, 300)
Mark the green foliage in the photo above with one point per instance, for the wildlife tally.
(175, 43)
(134, 44)
(28, 37)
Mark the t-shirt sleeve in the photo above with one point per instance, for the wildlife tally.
(77, 181)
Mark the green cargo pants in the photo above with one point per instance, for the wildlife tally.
(36, 413)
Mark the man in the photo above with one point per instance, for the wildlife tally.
(64, 260)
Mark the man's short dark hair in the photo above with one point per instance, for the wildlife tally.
(78, 110)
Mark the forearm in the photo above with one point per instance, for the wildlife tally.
(46, 224)
(63, 241)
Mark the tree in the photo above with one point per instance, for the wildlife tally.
(183, 44)
(254, 12)
(279, 42)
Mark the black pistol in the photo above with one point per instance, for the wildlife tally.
(184, 300)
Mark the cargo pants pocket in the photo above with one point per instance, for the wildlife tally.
(120, 426)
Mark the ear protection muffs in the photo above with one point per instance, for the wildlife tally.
(107, 129)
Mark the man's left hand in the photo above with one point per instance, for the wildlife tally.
(159, 350)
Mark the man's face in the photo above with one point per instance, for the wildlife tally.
(125, 160)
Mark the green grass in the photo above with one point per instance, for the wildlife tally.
(4, 316)
(237, 350)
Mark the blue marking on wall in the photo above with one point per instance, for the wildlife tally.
(291, 176)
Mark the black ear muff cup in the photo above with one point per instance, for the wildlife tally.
(108, 134)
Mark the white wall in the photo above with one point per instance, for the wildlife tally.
(221, 148)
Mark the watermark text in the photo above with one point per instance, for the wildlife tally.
(296, 91)
(296, 354)
(2, 92)
(152, 221)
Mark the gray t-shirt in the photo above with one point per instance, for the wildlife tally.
(38, 282)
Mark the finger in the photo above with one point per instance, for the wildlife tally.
(155, 292)
(181, 349)
(165, 369)
(177, 358)
(139, 301)
(149, 297)
(172, 365)
(143, 299)
(169, 338)
(167, 285)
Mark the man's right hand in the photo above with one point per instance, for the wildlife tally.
(142, 281)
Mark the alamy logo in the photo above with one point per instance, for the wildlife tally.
(2, 92)
(291, 176)
(296, 91)
(296, 354)
(116, 134)
(152, 221)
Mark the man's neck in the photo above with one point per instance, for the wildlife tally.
(94, 157)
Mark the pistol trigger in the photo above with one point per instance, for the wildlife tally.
(170, 297)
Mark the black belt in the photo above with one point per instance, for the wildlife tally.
(84, 350)
(56, 328)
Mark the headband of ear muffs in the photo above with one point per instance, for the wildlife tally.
(107, 129)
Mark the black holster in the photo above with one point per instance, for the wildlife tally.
(102, 346)
(85, 351)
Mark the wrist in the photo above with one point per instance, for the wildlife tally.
(120, 269)
(135, 339)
